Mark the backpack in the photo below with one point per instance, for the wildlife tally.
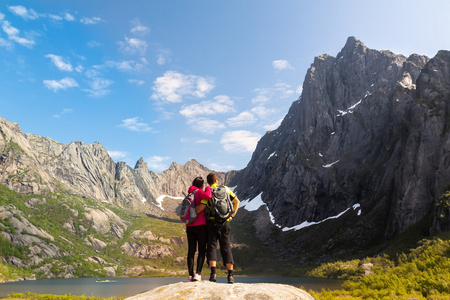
(221, 205)
(188, 213)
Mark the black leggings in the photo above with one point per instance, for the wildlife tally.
(196, 235)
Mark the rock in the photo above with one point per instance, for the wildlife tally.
(110, 271)
(370, 128)
(98, 243)
(31, 277)
(105, 221)
(218, 291)
(96, 259)
(367, 268)
(147, 251)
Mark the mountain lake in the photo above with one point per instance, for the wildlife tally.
(126, 287)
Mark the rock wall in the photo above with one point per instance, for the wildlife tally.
(370, 128)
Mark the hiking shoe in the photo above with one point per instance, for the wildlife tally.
(213, 277)
(190, 278)
(197, 277)
(230, 279)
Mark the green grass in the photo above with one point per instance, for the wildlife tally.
(423, 273)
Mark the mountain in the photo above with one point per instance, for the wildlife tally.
(71, 211)
(33, 164)
(360, 158)
(365, 147)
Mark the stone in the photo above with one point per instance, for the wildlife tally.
(218, 291)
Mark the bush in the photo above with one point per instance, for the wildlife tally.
(424, 273)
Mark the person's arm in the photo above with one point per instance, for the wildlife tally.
(199, 208)
(235, 206)
(204, 196)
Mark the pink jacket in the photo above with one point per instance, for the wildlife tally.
(198, 197)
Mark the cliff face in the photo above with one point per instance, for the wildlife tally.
(34, 164)
(370, 128)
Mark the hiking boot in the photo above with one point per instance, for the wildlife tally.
(213, 277)
(197, 277)
(230, 279)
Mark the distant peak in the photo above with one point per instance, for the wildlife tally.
(140, 164)
(353, 45)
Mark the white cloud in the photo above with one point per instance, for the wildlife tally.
(126, 65)
(243, 119)
(274, 125)
(90, 21)
(196, 141)
(55, 17)
(173, 86)
(264, 95)
(2, 16)
(281, 65)
(137, 82)
(93, 44)
(221, 104)
(163, 57)
(206, 126)
(60, 63)
(69, 17)
(133, 124)
(62, 84)
(158, 163)
(117, 154)
(140, 29)
(27, 14)
(98, 85)
(299, 89)
(239, 141)
(6, 44)
(262, 112)
(63, 112)
(13, 35)
(133, 46)
(79, 68)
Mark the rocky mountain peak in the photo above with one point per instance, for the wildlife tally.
(141, 164)
(367, 130)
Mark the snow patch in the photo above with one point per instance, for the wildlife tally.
(350, 109)
(144, 200)
(329, 165)
(306, 223)
(253, 204)
(272, 154)
(160, 199)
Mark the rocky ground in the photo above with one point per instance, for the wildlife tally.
(218, 291)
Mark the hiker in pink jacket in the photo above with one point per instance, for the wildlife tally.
(196, 232)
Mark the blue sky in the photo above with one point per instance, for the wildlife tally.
(173, 80)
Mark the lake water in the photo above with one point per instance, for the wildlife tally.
(125, 287)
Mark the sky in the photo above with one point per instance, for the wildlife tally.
(175, 80)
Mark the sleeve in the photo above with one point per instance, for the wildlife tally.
(205, 196)
(232, 195)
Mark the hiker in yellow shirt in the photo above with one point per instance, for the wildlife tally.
(220, 210)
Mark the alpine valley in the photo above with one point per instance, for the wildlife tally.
(361, 159)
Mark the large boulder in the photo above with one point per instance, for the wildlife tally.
(218, 291)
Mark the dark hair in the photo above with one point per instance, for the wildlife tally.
(211, 178)
(198, 182)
